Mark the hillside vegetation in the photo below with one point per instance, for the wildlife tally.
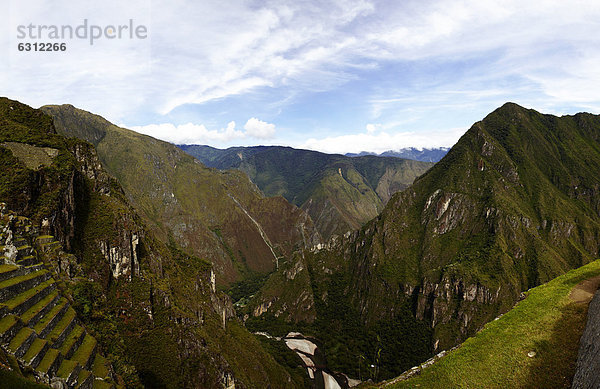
(217, 215)
(547, 323)
(153, 309)
(339, 193)
(514, 204)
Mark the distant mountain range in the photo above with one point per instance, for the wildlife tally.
(425, 155)
(338, 192)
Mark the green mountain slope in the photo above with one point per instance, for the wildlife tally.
(515, 203)
(340, 193)
(533, 346)
(154, 310)
(217, 215)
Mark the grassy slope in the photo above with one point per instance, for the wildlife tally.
(513, 205)
(182, 343)
(546, 322)
(182, 199)
(312, 180)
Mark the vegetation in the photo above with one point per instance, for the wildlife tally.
(340, 193)
(547, 323)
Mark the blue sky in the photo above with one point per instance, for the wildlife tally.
(334, 76)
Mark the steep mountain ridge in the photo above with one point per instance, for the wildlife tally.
(515, 203)
(338, 192)
(154, 310)
(217, 215)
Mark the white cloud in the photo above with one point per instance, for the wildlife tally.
(259, 129)
(198, 133)
(371, 128)
(199, 52)
(190, 133)
(382, 141)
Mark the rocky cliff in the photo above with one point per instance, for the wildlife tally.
(587, 375)
(220, 216)
(154, 309)
(512, 205)
(338, 192)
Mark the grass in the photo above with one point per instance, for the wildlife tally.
(17, 300)
(546, 322)
(31, 312)
(7, 268)
(66, 367)
(82, 355)
(61, 325)
(100, 368)
(18, 280)
(53, 312)
(18, 340)
(7, 322)
(71, 339)
(34, 349)
(11, 380)
(48, 359)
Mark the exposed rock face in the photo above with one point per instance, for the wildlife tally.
(123, 256)
(587, 375)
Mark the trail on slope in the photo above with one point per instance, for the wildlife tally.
(260, 230)
(585, 290)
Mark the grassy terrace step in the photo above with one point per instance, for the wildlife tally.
(73, 341)
(13, 286)
(36, 312)
(46, 247)
(69, 370)
(100, 367)
(21, 342)
(36, 352)
(62, 328)
(85, 380)
(99, 384)
(49, 364)
(8, 271)
(18, 305)
(9, 326)
(47, 323)
(44, 239)
(86, 351)
(27, 261)
(547, 323)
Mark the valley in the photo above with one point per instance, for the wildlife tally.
(271, 266)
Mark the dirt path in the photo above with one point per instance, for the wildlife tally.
(584, 291)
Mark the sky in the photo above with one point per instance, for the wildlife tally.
(334, 76)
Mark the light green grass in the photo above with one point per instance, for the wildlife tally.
(18, 340)
(17, 280)
(68, 317)
(100, 368)
(34, 349)
(48, 359)
(7, 268)
(71, 339)
(66, 367)
(16, 301)
(546, 322)
(7, 322)
(85, 350)
(31, 312)
(53, 312)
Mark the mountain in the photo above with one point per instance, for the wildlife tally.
(515, 203)
(82, 277)
(424, 155)
(339, 193)
(217, 215)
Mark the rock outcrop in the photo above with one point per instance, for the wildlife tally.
(587, 374)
